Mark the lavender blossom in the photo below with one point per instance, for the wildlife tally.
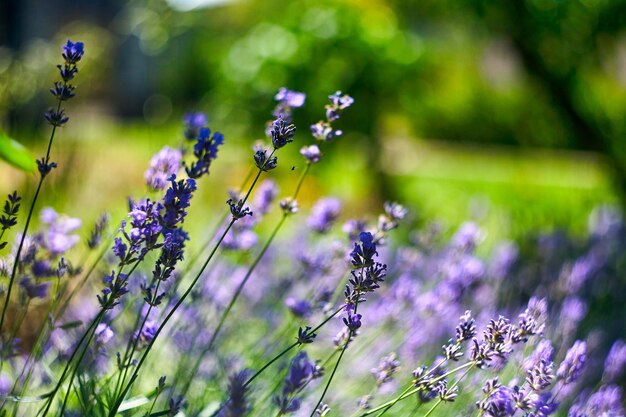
(287, 101)
(35, 289)
(205, 151)
(615, 362)
(290, 98)
(103, 334)
(325, 212)
(264, 197)
(301, 372)
(72, 53)
(162, 166)
(501, 403)
(238, 404)
(57, 237)
(311, 153)
(386, 369)
(95, 238)
(9, 214)
(572, 366)
(299, 307)
(176, 201)
(282, 133)
(193, 123)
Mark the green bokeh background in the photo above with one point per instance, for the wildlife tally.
(511, 114)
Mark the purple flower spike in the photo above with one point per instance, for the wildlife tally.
(73, 52)
(574, 362)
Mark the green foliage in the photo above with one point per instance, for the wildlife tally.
(16, 154)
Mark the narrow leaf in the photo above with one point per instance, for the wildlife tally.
(16, 154)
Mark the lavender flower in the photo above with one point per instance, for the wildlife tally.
(103, 334)
(162, 166)
(176, 201)
(282, 133)
(263, 161)
(115, 288)
(95, 238)
(571, 368)
(58, 238)
(323, 130)
(290, 98)
(301, 372)
(287, 101)
(237, 404)
(607, 401)
(193, 123)
(72, 53)
(264, 197)
(338, 103)
(325, 212)
(311, 153)
(205, 151)
(34, 289)
(386, 369)
(9, 215)
(299, 307)
(615, 362)
(542, 353)
(501, 403)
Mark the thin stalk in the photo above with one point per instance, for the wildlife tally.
(166, 320)
(415, 390)
(332, 375)
(32, 355)
(134, 339)
(28, 219)
(194, 258)
(284, 352)
(93, 324)
(394, 402)
(242, 284)
(439, 401)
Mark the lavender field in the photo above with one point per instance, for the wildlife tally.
(229, 209)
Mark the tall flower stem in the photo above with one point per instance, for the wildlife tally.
(243, 282)
(456, 383)
(409, 393)
(182, 299)
(289, 348)
(25, 230)
(332, 375)
(134, 339)
(87, 334)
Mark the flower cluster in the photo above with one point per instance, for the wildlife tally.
(205, 151)
(9, 215)
(301, 372)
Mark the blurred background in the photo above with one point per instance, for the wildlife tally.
(508, 113)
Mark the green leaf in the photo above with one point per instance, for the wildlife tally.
(71, 325)
(16, 154)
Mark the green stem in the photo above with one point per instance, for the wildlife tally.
(415, 390)
(25, 231)
(439, 401)
(330, 379)
(119, 400)
(394, 402)
(93, 324)
(239, 289)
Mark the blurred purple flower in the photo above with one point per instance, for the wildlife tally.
(324, 213)
(162, 166)
(572, 366)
